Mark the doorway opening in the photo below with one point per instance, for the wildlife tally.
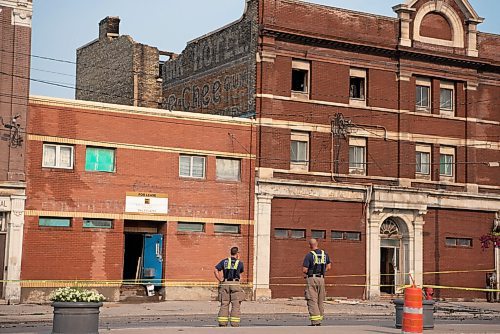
(143, 252)
(134, 244)
(389, 259)
(393, 256)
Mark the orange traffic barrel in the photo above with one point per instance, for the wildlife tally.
(413, 318)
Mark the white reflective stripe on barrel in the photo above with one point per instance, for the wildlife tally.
(413, 310)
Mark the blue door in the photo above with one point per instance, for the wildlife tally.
(153, 259)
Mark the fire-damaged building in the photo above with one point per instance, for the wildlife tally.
(118, 195)
(378, 136)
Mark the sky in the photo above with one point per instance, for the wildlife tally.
(62, 26)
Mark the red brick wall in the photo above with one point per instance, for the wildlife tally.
(287, 255)
(137, 170)
(440, 224)
(72, 253)
(382, 89)
(487, 102)
(274, 145)
(201, 263)
(331, 22)
(436, 26)
(329, 82)
(15, 47)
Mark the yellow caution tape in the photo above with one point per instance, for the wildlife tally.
(424, 273)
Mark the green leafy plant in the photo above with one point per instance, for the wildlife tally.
(76, 295)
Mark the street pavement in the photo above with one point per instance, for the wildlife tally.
(306, 330)
(274, 317)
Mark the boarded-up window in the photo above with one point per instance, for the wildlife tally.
(100, 159)
(228, 169)
(97, 223)
(190, 227)
(227, 228)
(54, 222)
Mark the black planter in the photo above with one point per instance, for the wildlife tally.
(428, 313)
(76, 318)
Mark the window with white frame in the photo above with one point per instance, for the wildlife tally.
(423, 95)
(192, 166)
(228, 169)
(57, 156)
(357, 86)
(447, 98)
(447, 162)
(357, 156)
(301, 70)
(299, 151)
(423, 161)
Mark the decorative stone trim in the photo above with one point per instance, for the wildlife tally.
(22, 11)
(452, 17)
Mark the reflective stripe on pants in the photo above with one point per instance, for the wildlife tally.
(315, 295)
(230, 293)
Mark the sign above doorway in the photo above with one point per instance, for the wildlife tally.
(4, 204)
(146, 203)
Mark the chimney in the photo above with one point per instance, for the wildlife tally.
(109, 26)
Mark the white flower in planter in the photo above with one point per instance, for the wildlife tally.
(76, 295)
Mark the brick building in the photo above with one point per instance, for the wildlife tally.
(128, 193)
(115, 68)
(15, 44)
(377, 135)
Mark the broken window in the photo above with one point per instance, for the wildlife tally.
(357, 86)
(300, 76)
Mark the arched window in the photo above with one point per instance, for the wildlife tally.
(389, 228)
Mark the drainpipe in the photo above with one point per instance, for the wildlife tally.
(369, 192)
(497, 269)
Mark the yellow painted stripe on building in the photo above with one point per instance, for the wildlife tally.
(140, 111)
(129, 146)
(125, 216)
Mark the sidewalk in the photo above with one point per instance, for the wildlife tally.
(347, 308)
(305, 330)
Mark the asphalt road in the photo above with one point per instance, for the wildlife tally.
(257, 324)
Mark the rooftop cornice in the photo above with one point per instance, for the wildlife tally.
(396, 51)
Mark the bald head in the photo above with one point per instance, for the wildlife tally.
(313, 244)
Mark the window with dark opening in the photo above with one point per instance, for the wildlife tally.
(299, 80)
(357, 88)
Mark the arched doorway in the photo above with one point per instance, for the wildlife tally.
(393, 255)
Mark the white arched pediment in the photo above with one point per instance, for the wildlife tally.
(440, 7)
(463, 36)
(464, 5)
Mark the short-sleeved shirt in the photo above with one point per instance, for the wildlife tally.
(315, 269)
(230, 273)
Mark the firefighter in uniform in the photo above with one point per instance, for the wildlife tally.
(316, 264)
(228, 273)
